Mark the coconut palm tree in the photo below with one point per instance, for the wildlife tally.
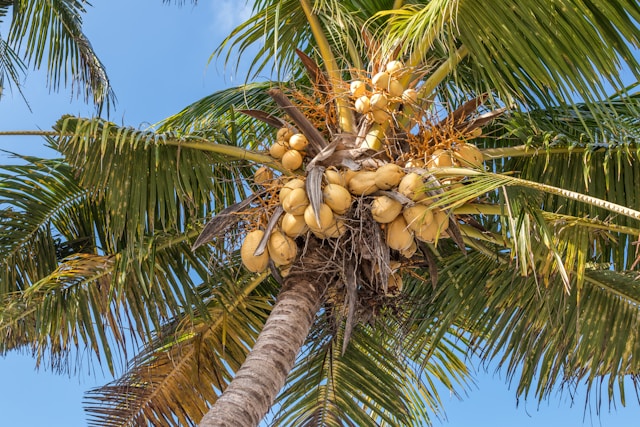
(49, 33)
(490, 131)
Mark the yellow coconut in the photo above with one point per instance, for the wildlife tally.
(440, 159)
(263, 175)
(380, 116)
(337, 197)
(298, 141)
(363, 105)
(284, 133)
(335, 230)
(381, 80)
(375, 135)
(468, 155)
(325, 215)
(358, 88)
(414, 163)
(282, 248)
(363, 183)
(290, 185)
(293, 225)
(292, 160)
(347, 175)
(278, 149)
(412, 187)
(379, 101)
(420, 220)
(399, 236)
(296, 202)
(388, 176)
(395, 88)
(333, 176)
(394, 286)
(385, 209)
(253, 263)
(410, 96)
(410, 251)
(441, 220)
(394, 67)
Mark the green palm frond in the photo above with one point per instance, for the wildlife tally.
(382, 378)
(556, 338)
(193, 358)
(12, 69)
(52, 31)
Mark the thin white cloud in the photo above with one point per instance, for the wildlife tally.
(228, 14)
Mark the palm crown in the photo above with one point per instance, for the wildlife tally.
(514, 239)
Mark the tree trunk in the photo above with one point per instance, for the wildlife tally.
(256, 384)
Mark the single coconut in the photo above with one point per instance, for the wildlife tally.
(293, 225)
(325, 217)
(292, 160)
(363, 183)
(282, 248)
(381, 80)
(394, 67)
(335, 230)
(414, 163)
(296, 202)
(440, 159)
(363, 105)
(278, 149)
(337, 197)
(263, 175)
(388, 176)
(468, 155)
(290, 185)
(348, 174)
(379, 101)
(284, 133)
(410, 251)
(412, 186)
(253, 263)
(441, 220)
(410, 96)
(298, 141)
(375, 136)
(380, 116)
(395, 88)
(358, 88)
(399, 236)
(420, 220)
(384, 209)
(333, 176)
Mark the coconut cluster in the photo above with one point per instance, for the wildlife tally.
(396, 186)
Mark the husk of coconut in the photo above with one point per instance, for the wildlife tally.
(278, 149)
(410, 96)
(388, 176)
(293, 225)
(335, 230)
(334, 176)
(394, 286)
(379, 101)
(420, 219)
(263, 175)
(468, 155)
(399, 236)
(384, 209)
(292, 160)
(395, 67)
(395, 88)
(380, 116)
(284, 133)
(288, 186)
(296, 202)
(253, 263)
(324, 220)
(337, 197)
(440, 159)
(357, 88)
(380, 81)
(282, 248)
(410, 251)
(362, 183)
(363, 105)
(374, 138)
(412, 186)
(298, 141)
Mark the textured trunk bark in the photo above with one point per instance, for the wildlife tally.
(251, 393)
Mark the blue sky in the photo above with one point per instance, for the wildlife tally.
(156, 56)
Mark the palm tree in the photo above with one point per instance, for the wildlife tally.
(532, 261)
(49, 33)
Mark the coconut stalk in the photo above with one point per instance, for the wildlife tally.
(345, 115)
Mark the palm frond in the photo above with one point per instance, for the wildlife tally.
(52, 30)
(192, 359)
